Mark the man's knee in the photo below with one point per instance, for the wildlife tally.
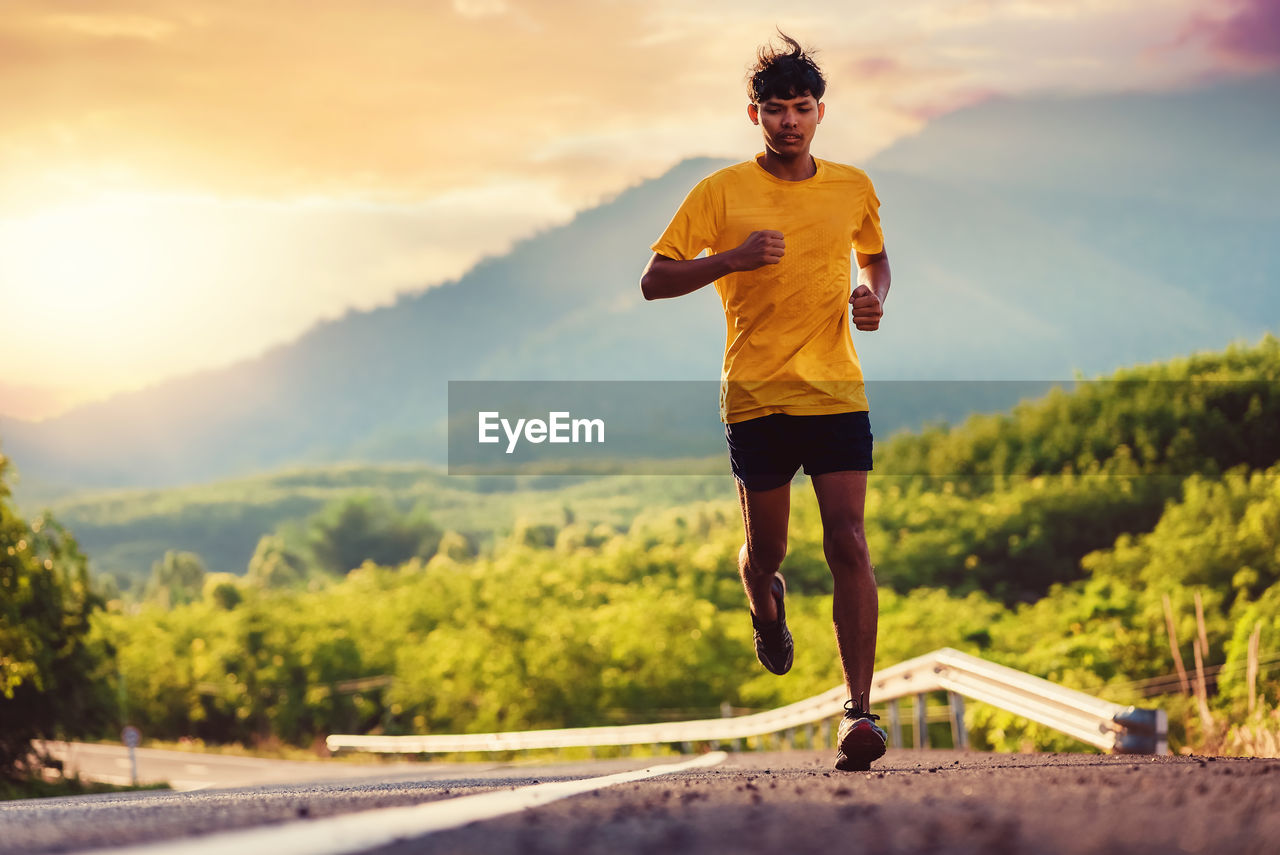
(764, 556)
(846, 547)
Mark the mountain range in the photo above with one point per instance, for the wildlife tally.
(1030, 239)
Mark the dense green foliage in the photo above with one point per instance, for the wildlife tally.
(1046, 539)
(348, 533)
(176, 579)
(47, 671)
(1201, 414)
(651, 622)
(124, 532)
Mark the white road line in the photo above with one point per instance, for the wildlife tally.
(188, 785)
(357, 832)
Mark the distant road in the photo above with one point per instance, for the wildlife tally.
(936, 801)
(184, 770)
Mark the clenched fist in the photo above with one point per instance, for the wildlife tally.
(760, 248)
(866, 309)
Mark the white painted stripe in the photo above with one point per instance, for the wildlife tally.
(188, 786)
(357, 832)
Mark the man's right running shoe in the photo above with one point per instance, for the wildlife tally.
(774, 646)
(859, 738)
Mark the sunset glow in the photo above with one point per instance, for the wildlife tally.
(185, 183)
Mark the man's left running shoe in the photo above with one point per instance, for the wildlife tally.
(859, 738)
(774, 646)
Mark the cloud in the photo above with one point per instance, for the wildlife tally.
(950, 102)
(1249, 35)
(468, 123)
(108, 26)
(479, 8)
(406, 100)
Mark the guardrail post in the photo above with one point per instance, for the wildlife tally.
(1143, 731)
(824, 733)
(922, 723)
(808, 736)
(726, 711)
(959, 736)
(895, 725)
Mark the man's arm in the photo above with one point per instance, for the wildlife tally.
(867, 300)
(670, 277)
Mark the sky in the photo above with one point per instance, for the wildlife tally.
(186, 183)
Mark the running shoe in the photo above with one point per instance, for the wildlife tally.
(774, 646)
(859, 738)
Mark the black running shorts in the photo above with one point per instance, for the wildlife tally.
(765, 452)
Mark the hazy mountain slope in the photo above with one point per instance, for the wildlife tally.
(1182, 185)
(988, 289)
(372, 385)
(1030, 239)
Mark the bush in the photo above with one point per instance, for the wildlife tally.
(47, 685)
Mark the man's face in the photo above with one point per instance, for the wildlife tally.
(788, 123)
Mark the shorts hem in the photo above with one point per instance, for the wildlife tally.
(859, 466)
(756, 487)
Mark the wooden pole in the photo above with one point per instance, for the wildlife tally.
(1204, 636)
(1202, 695)
(1251, 669)
(1173, 646)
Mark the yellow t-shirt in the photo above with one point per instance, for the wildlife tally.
(788, 348)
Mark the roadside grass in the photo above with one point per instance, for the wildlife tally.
(42, 788)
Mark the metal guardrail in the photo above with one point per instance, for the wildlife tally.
(1106, 725)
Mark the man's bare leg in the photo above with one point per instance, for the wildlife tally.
(765, 514)
(855, 606)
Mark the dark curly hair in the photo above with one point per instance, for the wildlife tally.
(787, 73)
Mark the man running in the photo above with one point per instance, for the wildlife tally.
(779, 230)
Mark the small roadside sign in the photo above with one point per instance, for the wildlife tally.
(132, 737)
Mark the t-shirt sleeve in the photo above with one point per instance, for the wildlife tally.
(868, 238)
(695, 225)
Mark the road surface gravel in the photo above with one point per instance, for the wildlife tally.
(937, 802)
(930, 801)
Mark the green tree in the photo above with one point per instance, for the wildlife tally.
(47, 686)
(456, 546)
(177, 579)
(223, 590)
(274, 565)
(347, 533)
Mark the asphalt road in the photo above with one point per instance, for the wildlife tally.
(186, 770)
(938, 801)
